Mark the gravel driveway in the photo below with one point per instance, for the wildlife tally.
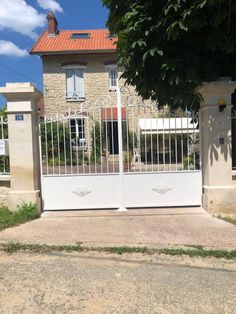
(74, 283)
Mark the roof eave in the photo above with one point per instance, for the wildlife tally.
(51, 53)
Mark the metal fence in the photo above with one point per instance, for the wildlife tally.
(4, 159)
(86, 141)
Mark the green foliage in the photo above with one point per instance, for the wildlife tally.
(188, 162)
(98, 140)
(55, 138)
(78, 158)
(26, 212)
(128, 157)
(3, 112)
(127, 249)
(227, 219)
(13, 247)
(133, 140)
(4, 160)
(192, 251)
(52, 137)
(170, 47)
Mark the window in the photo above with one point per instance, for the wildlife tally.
(113, 78)
(80, 35)
(75, 84)
(77, 127)
(110, 36)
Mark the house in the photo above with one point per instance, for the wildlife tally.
(81, 76)
(78, 66)
(41, 107)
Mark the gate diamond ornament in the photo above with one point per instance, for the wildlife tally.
(162, 188)
(81, 191)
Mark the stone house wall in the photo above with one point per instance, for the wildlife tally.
(96, 86)
(96, 82)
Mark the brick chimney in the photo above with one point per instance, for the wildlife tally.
(52, 24)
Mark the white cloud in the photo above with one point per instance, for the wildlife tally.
(7, 48)
(50, 5)
(18, 16)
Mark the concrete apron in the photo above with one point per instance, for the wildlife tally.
(129, 212)
(156, 227)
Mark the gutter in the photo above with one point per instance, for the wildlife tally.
(69, 52)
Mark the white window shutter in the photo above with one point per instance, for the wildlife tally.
(79, 83)
(70, 83)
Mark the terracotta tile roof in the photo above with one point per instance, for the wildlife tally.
(98, 41)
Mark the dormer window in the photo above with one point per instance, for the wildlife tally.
(111, 36)
(80, 35)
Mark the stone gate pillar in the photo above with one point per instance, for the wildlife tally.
(23, 136)
(219, 191)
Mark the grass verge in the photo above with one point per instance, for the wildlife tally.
(26, 212)
(227, 219)
(197, 251)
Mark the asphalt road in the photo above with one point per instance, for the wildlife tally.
(75, 283)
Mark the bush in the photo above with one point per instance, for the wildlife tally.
(28, 211)
(188, 162)
(97, 136)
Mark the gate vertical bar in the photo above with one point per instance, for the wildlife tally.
(120, 140)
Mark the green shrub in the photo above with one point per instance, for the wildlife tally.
(25, 212)
(28, 211)
(98, 137)
(188, 162)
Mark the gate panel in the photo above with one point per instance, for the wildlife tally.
(81, 192)
(162, 189)
(148, 158)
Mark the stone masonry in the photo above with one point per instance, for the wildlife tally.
(96, 82)
(4, 189)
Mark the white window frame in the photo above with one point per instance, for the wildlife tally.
(111, 68)
(75, 97)
(80, 137)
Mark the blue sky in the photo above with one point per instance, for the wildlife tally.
(22, 21)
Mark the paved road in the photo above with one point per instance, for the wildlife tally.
(74, 283)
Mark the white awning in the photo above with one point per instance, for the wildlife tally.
(167, 125)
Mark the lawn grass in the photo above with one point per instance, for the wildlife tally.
(227, 219)
(25, 213)
(199, 251)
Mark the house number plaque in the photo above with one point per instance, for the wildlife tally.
(19, 117)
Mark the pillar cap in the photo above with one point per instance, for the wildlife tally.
(20, 91)
(224, 87)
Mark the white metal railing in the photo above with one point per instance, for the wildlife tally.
(4, 159)
(86, 141)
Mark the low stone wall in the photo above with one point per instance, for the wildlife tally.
(4, 189)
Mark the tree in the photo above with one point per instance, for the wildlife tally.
(169, 47)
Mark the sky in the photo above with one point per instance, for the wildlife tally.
(22, 22)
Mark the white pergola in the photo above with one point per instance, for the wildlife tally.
(167, 125)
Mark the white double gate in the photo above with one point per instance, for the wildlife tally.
(105, 155)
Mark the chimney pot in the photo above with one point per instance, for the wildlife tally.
(52, 24)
